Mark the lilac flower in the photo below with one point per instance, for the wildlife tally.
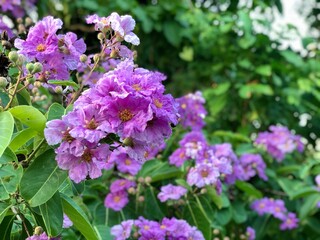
(4, 27)
(66, 221)
(252, 164)
(178, 157)
(116, 200)
(317, 180)
(124, 163)
(121, 185)
(202, 175)
(193, 143)
(192, 111)
(251, 233)
(279, 142)
(171, 192)
(290, 222)
(42, 236)
(123, 230)
(149, 229)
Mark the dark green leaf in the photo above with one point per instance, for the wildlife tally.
(9, 178)
(249, 189)
(8, 156)
(56, 111)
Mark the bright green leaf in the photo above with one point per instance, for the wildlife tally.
(9, 180)
(56, 111)
(21, 138)
(64, 83)
(8, 156)
(249, 189)
(6, 130)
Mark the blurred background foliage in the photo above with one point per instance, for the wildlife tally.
(223, 48)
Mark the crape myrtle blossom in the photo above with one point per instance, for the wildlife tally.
(192, 111)
(317, 180)
(16, 7)
(118, 196)
(171, 192)
(252, 164)
(251, 233)
(5, 27)
(166, 229)
(66, 221)
(277, 209)
(42, 236)
(279, 142)
(58, 53)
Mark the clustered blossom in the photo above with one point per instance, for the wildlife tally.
(277, 209)
(16, 7)
(192, 111)
(251, 165)
(118, 197)
(42, 236)
(57, 53)
(146, 229)
(279, 142)
(66, 221)
(5, 27)
(171, 192)
(128, 106)
(251, 233)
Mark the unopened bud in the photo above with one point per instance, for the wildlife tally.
(141, 180)
(3, 82)
(100, 36)
(31, 79)
(226, 238)
(83, 58)
(114, 53)
(203, 191)
(21, 28)
(30, 67)
(58, 89)
(141, 199)
(28, 21)
(19, 20)
(242, 237)
(13, 56)
(6, 44)
(96, 57)
(37, 84)
(21, 60)
(181, 202)
(4, 35)
(148, 179)
(132, 190)
(37, 67)
(128, 142)
(216, 231)
(38, 231)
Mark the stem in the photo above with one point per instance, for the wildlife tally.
(190, 209)
(201, 208)
(14, 92)
(122, 215)
(34, 152)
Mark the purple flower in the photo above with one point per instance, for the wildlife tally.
(121, 185)
(123, 230)
(252, 164)
(193, 143)
(116, 200)
(317, 180)
(290, 222)
(192, 111)
(66, 221)
(178, 157)
(171, 192)
(4, 27)
(279, 142)
(124, 163)
(251, 233)
(42, 236)
(203, 174)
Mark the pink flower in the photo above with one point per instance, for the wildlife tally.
(116, 200)
(171, 192)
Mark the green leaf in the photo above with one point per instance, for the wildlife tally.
(292, 58)
(231, 136)
(6, 130)
(214, 196)
(151, 206)
(56, 111)
(246, 91)
(249, 189)
(309, 206)
(52, 215)
(4, 207)
(224, 216)
(184, 184)
(42, 179)
(30, 116)
(186, 54)
(104, 232)
(239, 212)
(64, 83)
(21, 138)
(79, 218)
(6, 227)
(171, 31)
(23, 96)
(9, 178)
(166, 171)
(264, 70)
(8, 156)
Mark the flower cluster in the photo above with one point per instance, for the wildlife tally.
(278, 210)
(57, 53)
(145, 229)
(118, 196)
(42, 236)
(171, 192)
(16, 7)
(252, 164)
(251, 233)
(279, 142)
(5, 27)
(192, 111)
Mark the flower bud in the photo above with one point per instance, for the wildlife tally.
(31, 79)
(141, 180)
(4, 35)
(141, 199)
(100, 36)
(38, 231)
(28, 21)
(58, 89)
(96, 57)
(203, 191)
(13, 56)
(30, 67)
(148, 180)
(128, 142)
(21, 60)
(216, 231)
(6, 44)
(132, 190)
(37, 67)
(114, 53)
(37, 84)
(3, 82)
(83, 58)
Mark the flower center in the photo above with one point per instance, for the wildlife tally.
(146, 227)
(67, 137)
(183, 106)
(136, 87)
(127, 162)
(87, 155)
(158, 103)
(92, 124)
(116, 199)
(204, 173)
(41, 47)
(125, 115)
